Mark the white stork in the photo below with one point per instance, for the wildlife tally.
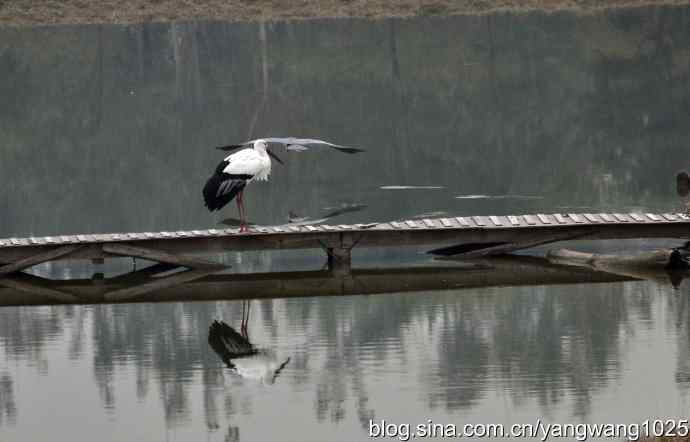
(249, 164)
(241, 356)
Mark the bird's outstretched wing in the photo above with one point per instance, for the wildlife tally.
(296, 144)
(278, 370)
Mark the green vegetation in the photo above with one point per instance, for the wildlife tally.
(30, 12)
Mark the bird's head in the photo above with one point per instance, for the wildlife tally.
(262, 146)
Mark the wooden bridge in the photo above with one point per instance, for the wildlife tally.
(460, 237)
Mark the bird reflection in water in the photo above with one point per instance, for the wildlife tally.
(241, 356)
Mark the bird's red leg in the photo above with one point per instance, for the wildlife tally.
(240, 208)
(242, 322)
(243, 228)
(245, 318)
(246, 321)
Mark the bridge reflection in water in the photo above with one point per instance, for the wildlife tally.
(508, 270)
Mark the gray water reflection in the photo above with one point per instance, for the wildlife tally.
(8, 409)
(551, 350)
(115, 124)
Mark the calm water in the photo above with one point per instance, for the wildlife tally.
(109, 128)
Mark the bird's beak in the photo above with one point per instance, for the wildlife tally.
(275, 157)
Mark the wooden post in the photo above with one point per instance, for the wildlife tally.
(339, 261)
(98, 278)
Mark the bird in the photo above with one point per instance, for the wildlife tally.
(250, 162)
(234, 173)
(228, 343)
(241, 356)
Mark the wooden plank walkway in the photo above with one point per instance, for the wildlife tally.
(457, 237)
(520, 230)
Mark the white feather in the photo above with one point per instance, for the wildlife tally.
(302, 144)
(260, 367)
(251, 161)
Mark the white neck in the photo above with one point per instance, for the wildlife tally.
(260, 146)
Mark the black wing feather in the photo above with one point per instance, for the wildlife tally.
(227, 343)
(221, 187)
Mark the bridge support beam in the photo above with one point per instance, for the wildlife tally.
(198, 268)
(39, 258)
(33, 286)
(159, 283)
(160, 256)
(478, 250)
(340, 261)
